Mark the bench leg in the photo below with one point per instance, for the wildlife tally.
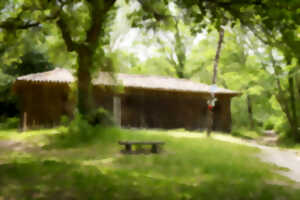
(154, 148)
(127, 147)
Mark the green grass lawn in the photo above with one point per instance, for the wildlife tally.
(189, 168)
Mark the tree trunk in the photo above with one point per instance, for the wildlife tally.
(250, 111)
(210, 123)
(288, 105)
(294, 121)
(85, 98)
(86, 50)
(179, 72)
(283, 102)
(180, 53)
(214, 79)
(297, 79)
(216, 62)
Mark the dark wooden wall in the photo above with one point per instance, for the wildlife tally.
(103, 97)
(173, 110)
(222, 114)
(45, 103)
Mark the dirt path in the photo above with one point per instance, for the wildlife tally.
(283, 158)
(11, 145)
(289, 159)
(286, 158)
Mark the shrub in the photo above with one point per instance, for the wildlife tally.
(268, 125)
(65, 120)
(101, 116)
(82, 131)
(10, 123)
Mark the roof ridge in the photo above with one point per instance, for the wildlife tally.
(142, 81)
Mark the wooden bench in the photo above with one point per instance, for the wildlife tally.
(155, 146)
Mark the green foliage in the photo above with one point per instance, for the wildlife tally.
(81, 131)
(10, 123)
(31, 62)
(101, 116)
(82, 26)
(276, 26)
(269, 125)
(123, 61)
(287, 142)
(241, 68)
(151, 15)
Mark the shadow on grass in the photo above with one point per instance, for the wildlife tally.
(60, 180)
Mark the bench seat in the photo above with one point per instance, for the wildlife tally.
(155, 145)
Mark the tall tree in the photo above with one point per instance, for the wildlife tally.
(214, 77)
(176, 55)
(278, 22)
(85, 39)
(218, 53)
(173, 39)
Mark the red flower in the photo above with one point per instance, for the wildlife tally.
(210, 107)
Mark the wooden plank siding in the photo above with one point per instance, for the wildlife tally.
(133, 100)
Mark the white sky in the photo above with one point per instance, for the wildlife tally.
(132, 42)
(130, 39)
(126, 43)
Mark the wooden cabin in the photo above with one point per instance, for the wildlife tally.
(139, 101)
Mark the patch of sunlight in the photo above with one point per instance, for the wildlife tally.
(99, 161)
(34, 133)
(14, 134)
(20, 157)
(215, 135)
(229, 138)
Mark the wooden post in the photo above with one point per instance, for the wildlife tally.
(142, 112)
(127, 147)
(117, 110)
(154, 148)
(210, 122)
(24, 122)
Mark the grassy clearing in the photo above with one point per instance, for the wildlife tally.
(32, 136)
(189, 168)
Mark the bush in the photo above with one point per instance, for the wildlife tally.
(65, 120)
(101, 116)
(10, 123)
(82, 131)
(286, 141)
(268, 125)
(282, 127)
